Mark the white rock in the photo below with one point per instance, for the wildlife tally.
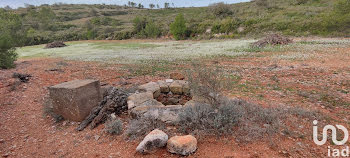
(155, 139)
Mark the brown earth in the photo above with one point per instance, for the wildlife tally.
(312, 84)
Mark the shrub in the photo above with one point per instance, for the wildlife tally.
(152, 30)
(7, 58)
(221, 9)
(339, 19)
(142, 126)
(230, 115)
(139, 24)
(178, 28)
(10, 37)
(208, 82)
(114, 126)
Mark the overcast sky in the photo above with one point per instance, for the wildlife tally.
(177, 3)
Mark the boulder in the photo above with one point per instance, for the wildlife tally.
(75, 99)
(155, 139)
(180, 87)
(177, 76)
(139, 111)
(176, 87)
(182, 145)
(151, 87)
(164, 86)
(137, 99)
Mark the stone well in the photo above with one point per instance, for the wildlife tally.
(163, 99)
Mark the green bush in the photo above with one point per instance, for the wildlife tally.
(178, 28)
(146, 28)
(139, 24)
(152, 30)
(10, 37)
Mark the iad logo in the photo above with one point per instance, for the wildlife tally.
(334, 134)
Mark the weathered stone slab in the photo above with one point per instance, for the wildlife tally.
(151, 87)
(168, 114)
(75, 99)
(138, 98)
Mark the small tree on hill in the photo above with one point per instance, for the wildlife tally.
(166, 5)
(178, 28)
(151, 6)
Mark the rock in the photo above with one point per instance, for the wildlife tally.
(176, 87)
(151, 87)
(151, 102)
(75, 99)
(164, 86)
(169, 80)
(182, 145)
(168, 114)
(185, 87)
(97, 137)
(155, 139)
(180, 87)
(138, 98)
(139, 111)
(177, 76)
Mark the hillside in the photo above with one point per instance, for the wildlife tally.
(78, 22)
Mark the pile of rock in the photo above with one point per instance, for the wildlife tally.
(144, 103)
(182, 145)
(56, 44)
(272, 39)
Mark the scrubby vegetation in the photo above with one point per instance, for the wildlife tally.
(10, 37)
(219, 115)
(114, 126)
(65, 22)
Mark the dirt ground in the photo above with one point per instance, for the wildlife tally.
(321, 84)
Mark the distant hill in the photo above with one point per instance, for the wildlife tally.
(250, 19)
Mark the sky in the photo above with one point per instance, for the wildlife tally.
(177, 3)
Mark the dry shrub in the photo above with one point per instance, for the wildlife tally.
(56, 44)
(272, 39)
(208, 82)
(142, 126)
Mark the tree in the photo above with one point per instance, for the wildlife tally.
(178, 27)
(221, 9)
(151, 30)
(139, 24)
(11, 35)
(151, 6)
(166, 5)
(158, 6)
